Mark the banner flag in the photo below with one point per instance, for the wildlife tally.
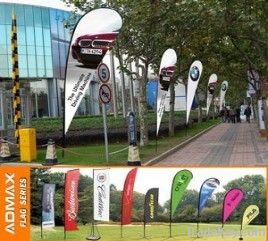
(93, 36)
(151, 205)
(206, 190)
(48, 214)
(231, 200)
(71, 200)
(127, 196)
(101, 194)
(211, 89)
(251, 212)
(166, 72)
(193, 80)
(224, 87)
(180, 182)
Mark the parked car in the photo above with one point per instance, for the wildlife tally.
(90, 49)
(165, 77)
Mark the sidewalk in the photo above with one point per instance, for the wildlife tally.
(227, 144)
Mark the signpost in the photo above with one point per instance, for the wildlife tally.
(105, 95)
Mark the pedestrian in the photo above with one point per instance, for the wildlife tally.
(237, 113)
(247, 113)
(232, 115)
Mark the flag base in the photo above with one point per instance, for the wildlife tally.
(137, 163)
(241, 238)
(94, 234)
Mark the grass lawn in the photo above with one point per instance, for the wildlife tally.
(155, 232)
(95, 154)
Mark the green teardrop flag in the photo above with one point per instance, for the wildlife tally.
(180, 182)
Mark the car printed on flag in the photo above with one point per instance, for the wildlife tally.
(165, 76)
(90, 49)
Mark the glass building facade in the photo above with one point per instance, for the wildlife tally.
(43, 43)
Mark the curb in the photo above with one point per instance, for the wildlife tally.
(176, 148)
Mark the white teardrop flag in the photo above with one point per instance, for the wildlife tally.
(224, 87)
(93, 36)
(166, 72)
(193, 80)
(211, 88)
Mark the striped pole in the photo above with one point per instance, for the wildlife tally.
(15, 78)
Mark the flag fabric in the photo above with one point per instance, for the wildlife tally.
(48, 214)
(180, 182)
(151, 205)
(93, 36)
(166, 72)
(101, 194)
(193, 80)
(251, 212)
(231, 200)
(127, 196)
(206, 190)
(71, 200)
(224, 87)
(211, 89)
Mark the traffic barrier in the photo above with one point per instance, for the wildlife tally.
(51, 154)
(4, 150)
(133, 156)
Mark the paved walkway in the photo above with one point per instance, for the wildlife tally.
(226, 144)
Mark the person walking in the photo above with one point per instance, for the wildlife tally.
(232, 115)
(237, 113)
(247, 113)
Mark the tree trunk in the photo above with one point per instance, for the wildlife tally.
(171, 108)
(143, 108)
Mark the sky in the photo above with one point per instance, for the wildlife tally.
(162, 177)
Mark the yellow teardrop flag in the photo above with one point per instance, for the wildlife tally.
(251, 212)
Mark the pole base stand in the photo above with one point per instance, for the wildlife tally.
(136, 163)
(50, 162)
(93, 237)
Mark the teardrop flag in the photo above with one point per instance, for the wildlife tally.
(231, 200)
(211, 88)
(193, 80)
(180, 182)
(224, 87)
(93, 36)
(151, 205)
(166, 72)
(127, 196)
(206, 190)
(251, 212)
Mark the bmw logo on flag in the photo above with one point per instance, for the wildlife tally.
(194, 73)
(223, 87)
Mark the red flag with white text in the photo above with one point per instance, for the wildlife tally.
(71, 200)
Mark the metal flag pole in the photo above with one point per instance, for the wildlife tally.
(104, 116)
(42, 215)
(94, 234)
(170, 219)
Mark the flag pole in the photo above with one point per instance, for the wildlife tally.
(64, 236)
(93, 235)
(170, 218)
(42, 214)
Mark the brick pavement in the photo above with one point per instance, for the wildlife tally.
(227, 144)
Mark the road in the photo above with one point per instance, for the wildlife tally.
(227, 144)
